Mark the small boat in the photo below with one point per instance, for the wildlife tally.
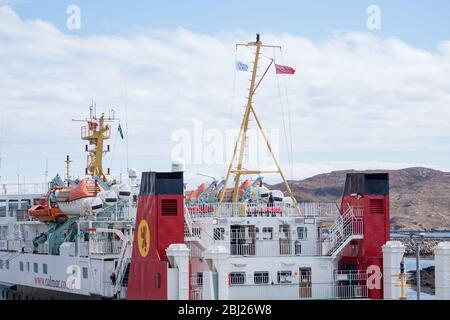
(81, 199)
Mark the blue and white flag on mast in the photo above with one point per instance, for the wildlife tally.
(241, 66)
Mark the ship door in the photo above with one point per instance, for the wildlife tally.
(285, 240)
(305, 283)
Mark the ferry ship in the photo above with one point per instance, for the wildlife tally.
(151, 238)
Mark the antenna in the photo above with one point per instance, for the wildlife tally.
(205, 175)
(68, 163)
(241, 142)
(46, 173)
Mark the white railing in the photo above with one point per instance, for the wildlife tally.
(295, 291)
(193, 232)
(242, 249)
(104, 247)
(43, 248)
(29, 247)
(263, 210)
(197, 280)
(39, 188)
(350, 275)
(14, 245)
(196, 294)
(268, 248)
(350, 292)
(83, 249)
(22, 215)
(319, 209)
(195, 251)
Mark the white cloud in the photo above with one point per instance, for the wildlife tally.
(353, 93)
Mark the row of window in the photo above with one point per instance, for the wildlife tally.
(259, 277)
(5, 264)
(302, 233)
(12, 206)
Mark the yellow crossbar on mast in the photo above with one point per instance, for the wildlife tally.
(242, 136)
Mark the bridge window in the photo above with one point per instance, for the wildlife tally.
(44, 268)
(85, 273)
(237, 278)
(7, 264)
(36, 267)
(2, 208)
(302, 233)
(284, 276)
(21, 265)
(28, 267)
(24, 204)
(1, 264)
(267, 233)
(13, 207)
(261, 277)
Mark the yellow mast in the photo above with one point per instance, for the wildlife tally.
(96, 133)
(241, 141)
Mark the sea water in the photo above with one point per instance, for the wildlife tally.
(410, 265)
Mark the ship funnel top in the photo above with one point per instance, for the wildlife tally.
(178, 165)
(367, 183)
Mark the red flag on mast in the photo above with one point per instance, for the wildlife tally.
(284, 69)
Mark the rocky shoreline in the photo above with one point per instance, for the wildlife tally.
(426, 248)
(427, 282)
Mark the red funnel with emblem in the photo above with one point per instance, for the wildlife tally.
(368, 196)
(159, 223)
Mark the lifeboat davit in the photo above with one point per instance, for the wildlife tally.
(75, 200)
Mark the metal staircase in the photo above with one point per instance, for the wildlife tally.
(347, 227)
(123, 266)
(193, 233)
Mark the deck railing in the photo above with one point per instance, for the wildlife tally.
(274, 248)
(38, 188)
(104, 247)
(350, 275)
(295, 291)
(278, 209)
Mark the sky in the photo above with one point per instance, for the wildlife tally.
(362, 98)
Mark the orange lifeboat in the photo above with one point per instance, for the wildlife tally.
(70, 200)
(86, 188)
(44, 213)
(247, 184)
(197, 193)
